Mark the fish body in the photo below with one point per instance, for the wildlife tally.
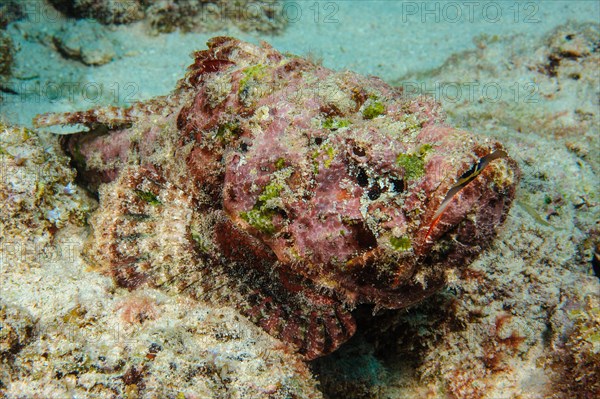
(310, 191)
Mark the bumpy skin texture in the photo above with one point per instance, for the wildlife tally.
(312, 191)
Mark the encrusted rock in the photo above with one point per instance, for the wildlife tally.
(6, 56)
(85, 41)
(186, 15)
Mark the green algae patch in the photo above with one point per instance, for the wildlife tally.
(201, 243)
(336, 123)
(228, 131)
(148, 197)
(425, 149)
(271, 191)
(260, 216)
(400, 243)
(279, 164)
(373, 109)
(329, 152)
(260, 219)
(254, 72)
(414, 164)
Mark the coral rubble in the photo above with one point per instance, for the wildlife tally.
(187, 15)
(295, 192)
(37, 187)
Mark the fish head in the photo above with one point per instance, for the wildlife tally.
(373, 218)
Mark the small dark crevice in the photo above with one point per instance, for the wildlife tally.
(361, 178)
(365, 238)
(397, 185)
(596, 261)
(374, 192)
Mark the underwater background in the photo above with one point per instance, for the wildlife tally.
(521, 321)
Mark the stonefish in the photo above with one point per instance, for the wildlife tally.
(290, 190)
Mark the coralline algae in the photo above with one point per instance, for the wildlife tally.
(293, 191)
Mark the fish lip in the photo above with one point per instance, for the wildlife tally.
(468, 191)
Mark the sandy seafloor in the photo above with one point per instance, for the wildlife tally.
(528, 315)
(384, 38)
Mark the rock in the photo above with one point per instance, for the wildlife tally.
(185, 15)
(6, 56)
(85, 41)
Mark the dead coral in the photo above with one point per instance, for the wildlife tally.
(185, 15)
(104, 11)
(37, 189)
(207, 16)
(85, 41)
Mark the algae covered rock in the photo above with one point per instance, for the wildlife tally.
(104, 11)
(185, 15)
(295, 191)
(37, 188)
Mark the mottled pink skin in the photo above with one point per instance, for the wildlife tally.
(110, 150)
(320, 221)
(320, 237)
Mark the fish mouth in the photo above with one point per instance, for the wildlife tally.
(465, 179)
(473, 207)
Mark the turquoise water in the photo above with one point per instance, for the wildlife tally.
(383, 38)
